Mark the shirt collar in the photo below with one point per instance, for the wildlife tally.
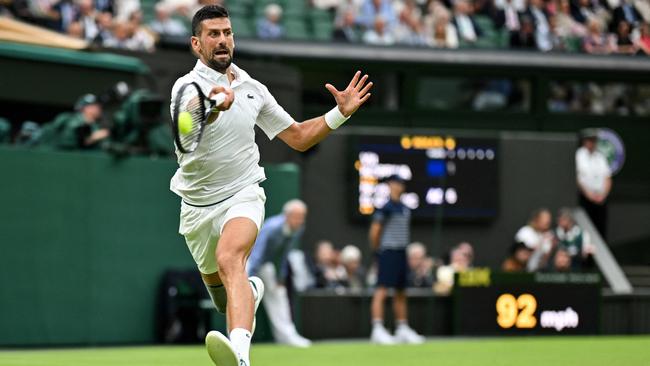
(241, 76)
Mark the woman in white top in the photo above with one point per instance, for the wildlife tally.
(537, 236)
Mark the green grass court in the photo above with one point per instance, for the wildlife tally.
(560, 351)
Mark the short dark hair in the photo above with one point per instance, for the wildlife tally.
(207, 12)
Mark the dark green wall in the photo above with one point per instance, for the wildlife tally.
(84, 240)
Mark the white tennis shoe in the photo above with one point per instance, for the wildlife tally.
(380, 335)
(406, 334)
(220, 349)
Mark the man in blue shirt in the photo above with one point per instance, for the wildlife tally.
(389, 235)
(268, 260)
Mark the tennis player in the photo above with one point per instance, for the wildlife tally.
(222, 205)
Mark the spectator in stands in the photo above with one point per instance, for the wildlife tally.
(520, 5)
(104, 25)
(461, 258)
(597, 42)
(585, 11)
(130, 35)
(561, 261)
(83, 130)
(327, 4)
(269, 27)
(643, 43)
(463, 20)
(443, 34)
(64, 12)
(87, 17)
(540, 17)
(268, 260)
(559, 98)
(351, 260)
(123, 8)
(537, 235)
(624, 42)
(594, 180)
(372, 9)
(379, 35)
(566, 25)
(467, 252)
(39, 12)
(525, 38)
(165, 25)
(345, 29)
(327, 271)
(409, 29)
(420, 266)
(626, 12)
(508, 16)
(643, 7)
(573, 240)
(105, 6)
(76, 30)
(142, 37)
(518, 260)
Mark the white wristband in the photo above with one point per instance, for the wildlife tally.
(334, 118)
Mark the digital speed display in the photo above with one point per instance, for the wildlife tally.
(446, 176)
(486, 303)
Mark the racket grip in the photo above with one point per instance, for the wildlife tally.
(218, 99)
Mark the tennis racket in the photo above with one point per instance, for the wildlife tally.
(190, 115)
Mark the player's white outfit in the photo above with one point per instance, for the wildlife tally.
(219, 181)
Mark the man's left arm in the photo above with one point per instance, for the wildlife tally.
(304, 135)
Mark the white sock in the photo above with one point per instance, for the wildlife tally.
(377, 323)
(241, 341)
(401, 324)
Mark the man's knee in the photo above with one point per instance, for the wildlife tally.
(230, 262)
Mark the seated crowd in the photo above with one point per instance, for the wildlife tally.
(591, 26)
(538, 246)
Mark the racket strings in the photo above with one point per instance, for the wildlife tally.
(193, 107)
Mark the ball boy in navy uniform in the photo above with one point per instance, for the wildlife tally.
(389, 235)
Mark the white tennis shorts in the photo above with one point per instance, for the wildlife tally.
(202, 226)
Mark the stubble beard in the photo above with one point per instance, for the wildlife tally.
(220, 66)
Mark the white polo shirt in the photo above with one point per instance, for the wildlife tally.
(227, 158)
(592, 170)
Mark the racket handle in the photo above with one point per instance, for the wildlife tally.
(218, 99)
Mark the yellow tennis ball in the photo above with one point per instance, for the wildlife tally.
(184, 122)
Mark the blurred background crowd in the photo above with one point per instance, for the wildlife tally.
(544, 244)
(591, 26)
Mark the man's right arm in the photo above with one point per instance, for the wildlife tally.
(375, 234)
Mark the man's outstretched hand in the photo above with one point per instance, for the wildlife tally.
(350, 99)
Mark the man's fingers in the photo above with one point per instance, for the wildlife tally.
(361, 82)
(365, 97)
(366, 88)
(355, 79)
(332, 89)
(218, 89)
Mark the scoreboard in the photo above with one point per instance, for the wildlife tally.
(446, 176)
(488, 303)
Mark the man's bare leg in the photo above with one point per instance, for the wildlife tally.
(237, 239)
